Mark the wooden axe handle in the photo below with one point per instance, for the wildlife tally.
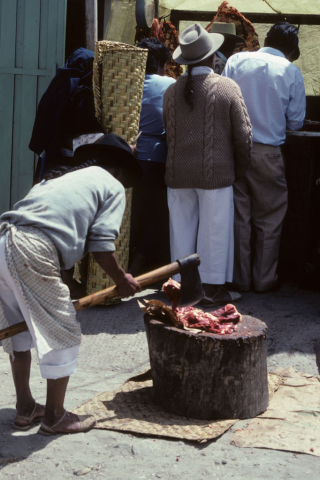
(97, 298)
(144, 280)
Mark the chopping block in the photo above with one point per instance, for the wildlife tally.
(209, 376)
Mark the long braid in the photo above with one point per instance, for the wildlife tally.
(63, 169)
(188, 92)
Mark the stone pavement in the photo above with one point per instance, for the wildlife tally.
(114, 348)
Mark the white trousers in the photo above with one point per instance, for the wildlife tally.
(201, 221)
(56, 363)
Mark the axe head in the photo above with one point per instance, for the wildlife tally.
(191, 291)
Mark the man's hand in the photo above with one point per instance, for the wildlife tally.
(127, 285)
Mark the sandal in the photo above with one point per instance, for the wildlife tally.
(85, 423)
(28, 422)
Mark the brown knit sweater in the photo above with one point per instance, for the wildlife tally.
(209, 146)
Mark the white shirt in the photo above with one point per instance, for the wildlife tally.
(199, 70)
(273, 91)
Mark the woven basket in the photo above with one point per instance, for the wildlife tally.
(118, 79)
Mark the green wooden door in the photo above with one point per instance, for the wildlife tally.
(32, 41)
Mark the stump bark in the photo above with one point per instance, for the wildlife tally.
(208, 376)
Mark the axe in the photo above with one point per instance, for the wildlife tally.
(191, 291)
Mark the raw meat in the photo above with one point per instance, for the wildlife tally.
(221, 321)
(172, 289)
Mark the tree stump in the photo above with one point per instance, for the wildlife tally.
(208, 376)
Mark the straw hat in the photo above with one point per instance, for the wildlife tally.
(114, 148)
(196, 44)
(228, 30)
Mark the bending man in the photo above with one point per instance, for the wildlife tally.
(72, 211)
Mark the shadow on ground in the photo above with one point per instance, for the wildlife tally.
(16, 445)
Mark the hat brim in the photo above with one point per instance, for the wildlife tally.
(236, 38)
(179, 58)
(134, 172)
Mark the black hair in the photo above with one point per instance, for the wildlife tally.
(188, 92)
(284, 37)
(61, 170)
(158, 54)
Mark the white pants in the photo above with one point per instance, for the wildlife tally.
(56, 363)
(201, 221)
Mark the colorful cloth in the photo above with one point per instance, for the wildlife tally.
(244, 27)
(167, 34)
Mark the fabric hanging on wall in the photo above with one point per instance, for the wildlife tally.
(166, 33)
(244, 28)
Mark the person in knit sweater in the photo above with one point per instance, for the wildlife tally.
(209, 143)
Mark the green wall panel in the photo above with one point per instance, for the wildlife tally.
(43, 42)
(32, 42)
(22, 158)
(31, 34)
(8, 22)
(6, 122)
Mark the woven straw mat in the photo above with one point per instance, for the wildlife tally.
(130, 408)
(118, 79)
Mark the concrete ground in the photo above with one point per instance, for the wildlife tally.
(114, 348)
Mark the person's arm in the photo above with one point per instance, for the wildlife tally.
(104, 231)
(241, 133)
(164, 111)
(126, 284)
(297, 105)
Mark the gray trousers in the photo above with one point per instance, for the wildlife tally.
(261, 196)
